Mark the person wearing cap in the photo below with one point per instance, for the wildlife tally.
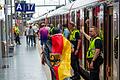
(74, 38)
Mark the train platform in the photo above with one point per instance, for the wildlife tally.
(25, 64)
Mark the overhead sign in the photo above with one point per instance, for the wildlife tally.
(29, 7)
(24, 7)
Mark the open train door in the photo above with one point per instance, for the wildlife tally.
(116, 54)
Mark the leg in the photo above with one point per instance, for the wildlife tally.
(75, 66)
(29, 40)
(34, 39)
(19, 39)
(94, 74)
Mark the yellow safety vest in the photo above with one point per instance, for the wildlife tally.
(91, 49)
(17, 31)
(72, 35)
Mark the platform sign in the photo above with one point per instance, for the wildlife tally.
(20, 7)
(30, 7)
(24, 7)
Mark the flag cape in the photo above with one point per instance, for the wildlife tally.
(59, 55)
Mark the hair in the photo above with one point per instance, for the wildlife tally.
(56, 30)
(30, 26)
(96, 29)
(72, 23)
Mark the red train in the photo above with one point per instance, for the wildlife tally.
(103, 14)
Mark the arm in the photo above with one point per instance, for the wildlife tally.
(78, 43)
(82, 30)
(98, 48)
(86, 35)
(97, 52)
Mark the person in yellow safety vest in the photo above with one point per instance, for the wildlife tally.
(51, 29)
(16, 33)
(74, 38)
(94, 57)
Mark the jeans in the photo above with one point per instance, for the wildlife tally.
(31, 39)
(27, 39)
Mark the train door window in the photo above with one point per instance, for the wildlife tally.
(63, 20)
(73, 16)
(57, 20)
(67, 19)
(60, 19)
(96, 10)
(53, 20)
(78, 19)
(90, 17)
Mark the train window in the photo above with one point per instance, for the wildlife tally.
(78, 19)
(73, 16)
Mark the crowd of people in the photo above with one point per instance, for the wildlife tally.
(60, 47)
(73, 35)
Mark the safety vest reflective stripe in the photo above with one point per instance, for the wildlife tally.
(51, 30)
(72, 35)
(91, 49)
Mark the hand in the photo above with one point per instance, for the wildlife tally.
(72, 50)
(76, 52)
(43, 60)
(91, 65)
(87, 21)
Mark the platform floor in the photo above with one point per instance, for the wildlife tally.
(24, 65)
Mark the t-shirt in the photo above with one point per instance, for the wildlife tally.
(66, 33)
(77, 37)
(98, 44)
(31, 31)
(27, 31)
(43, 33)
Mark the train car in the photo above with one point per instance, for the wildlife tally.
(103, 14)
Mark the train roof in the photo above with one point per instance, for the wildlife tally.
(67, 8)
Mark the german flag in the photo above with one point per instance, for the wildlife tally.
(58, 52)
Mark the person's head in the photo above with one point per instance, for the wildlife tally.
(30, 27)
(56, 30)
(42, 24)
(93, 32)
(64, 25)
(51, 25)
(71, 25)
